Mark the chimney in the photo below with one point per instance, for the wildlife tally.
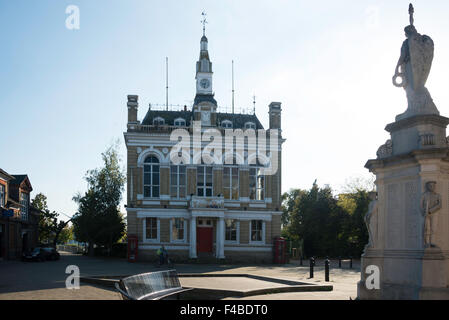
(132, 108)
(275, 115)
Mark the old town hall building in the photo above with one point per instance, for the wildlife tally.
(199, 211)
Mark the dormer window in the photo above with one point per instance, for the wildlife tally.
(250, 125)
(158, 121)
(180, 122)
(226, 124)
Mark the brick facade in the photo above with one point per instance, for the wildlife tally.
(255, 201)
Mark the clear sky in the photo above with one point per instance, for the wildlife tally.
(63, 92)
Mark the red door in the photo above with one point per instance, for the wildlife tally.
(204, 238)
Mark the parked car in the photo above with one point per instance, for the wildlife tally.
(41, 254)
(37, 254)
(51, 253)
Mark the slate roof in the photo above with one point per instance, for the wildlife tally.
(204, 98)
(18, 179)
(6, 174)
(168, 116)
(238, 120)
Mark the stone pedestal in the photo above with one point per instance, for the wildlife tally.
(416, 154)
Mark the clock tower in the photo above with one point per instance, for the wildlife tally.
(204, 70)
(204, 106)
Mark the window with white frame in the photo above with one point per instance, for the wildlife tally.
(204, 178)
(151, 229)
(2, 195)
(178, 181)
(151, 177)
(250, 125)
(158, 121)
(24, 205)
(256, 184)
(180, 122)
(226, 124)
(178, 229)
(231, 232)
(256, 231)
(231, 182)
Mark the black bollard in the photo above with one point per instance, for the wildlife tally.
(300, 260)
(350, 263)
(312, 263)
(339, 262)
(326, 269)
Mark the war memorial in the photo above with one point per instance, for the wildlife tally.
(408, 218)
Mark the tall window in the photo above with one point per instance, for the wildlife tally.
(231, 230)
(2, 195)
(204, 179)
(256, 230)
(177, 229)
(256, 184)
(24, 205)
(151, 177)
(231, 182)
(178, 181)
(151, 228)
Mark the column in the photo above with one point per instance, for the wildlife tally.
(220, 238)
(192, 249)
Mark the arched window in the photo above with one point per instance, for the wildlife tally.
(179, 122)
(250, 125)
(226, 124)
(158, 121)
(151, 177)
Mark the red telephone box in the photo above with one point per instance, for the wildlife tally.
(132, 248)
(279, 250)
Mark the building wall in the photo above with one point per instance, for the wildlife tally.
(159, 141)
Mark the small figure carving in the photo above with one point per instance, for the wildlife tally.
(385, 150)
(430, 204)
(413, 68)
(372, 213)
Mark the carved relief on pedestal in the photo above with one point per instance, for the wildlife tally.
(412, 234)
(427, 139)
(430, 204)
(385, 150)
(371, 219)
(393, 216)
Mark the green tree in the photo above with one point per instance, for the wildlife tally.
(98, 220)
(65, 235)
(327, 224)
(49, 228)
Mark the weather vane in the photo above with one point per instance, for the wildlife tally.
(411, 10)
(204, 21)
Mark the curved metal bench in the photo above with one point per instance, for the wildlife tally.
(151, 286)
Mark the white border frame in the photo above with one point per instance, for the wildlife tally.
(263, 232)
(184, 240)
(237, 241)
(158, 239)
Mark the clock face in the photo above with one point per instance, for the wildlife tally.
(204, 83)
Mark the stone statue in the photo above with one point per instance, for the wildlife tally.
(372, 213)
(430, 204)
(413, 68)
